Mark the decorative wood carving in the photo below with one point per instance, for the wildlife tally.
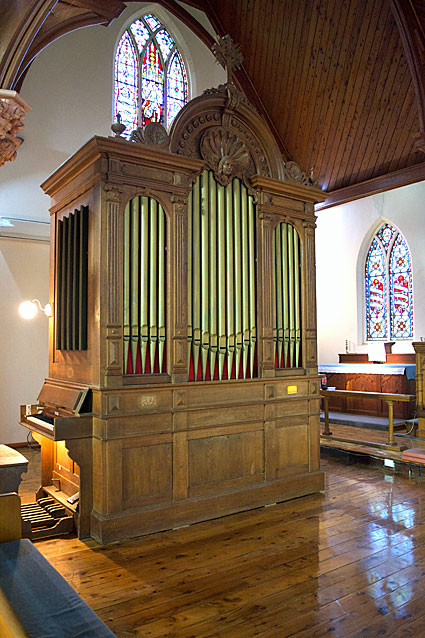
(293, 173)
(226, 154)
(154, 134)
(222, 121)
(228, 54)
(12, 115)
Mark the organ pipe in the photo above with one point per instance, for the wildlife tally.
(221, 268)
(144, 282)
(144, 286)
(72, 266)
(221, 274)
(287, 297)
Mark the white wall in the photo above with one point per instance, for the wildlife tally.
(343, 237)
(69, 88)
(24, 274)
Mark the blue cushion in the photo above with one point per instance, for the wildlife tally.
(44, 602)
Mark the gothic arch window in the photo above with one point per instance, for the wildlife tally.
(150, 79)
(388, 286)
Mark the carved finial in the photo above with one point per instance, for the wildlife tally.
(228, 54)
(118, 127)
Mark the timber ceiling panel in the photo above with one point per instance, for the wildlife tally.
(331, 77)
(334, 79)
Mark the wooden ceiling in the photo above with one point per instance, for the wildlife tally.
(340, 82)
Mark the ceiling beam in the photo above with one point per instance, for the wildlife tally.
(187, 18)
(373, 186)
(413, 39)
(20, 22)
(108, 9)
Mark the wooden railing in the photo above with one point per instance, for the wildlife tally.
(389, 399)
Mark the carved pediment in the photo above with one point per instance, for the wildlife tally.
(234, 97)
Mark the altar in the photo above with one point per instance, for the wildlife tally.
(394, 378)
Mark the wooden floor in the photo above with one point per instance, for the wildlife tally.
(347, 562)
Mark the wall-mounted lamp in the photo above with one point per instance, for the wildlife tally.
(28, 309)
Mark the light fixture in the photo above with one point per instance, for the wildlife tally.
(28, 309)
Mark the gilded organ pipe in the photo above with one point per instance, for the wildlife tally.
(144, 304)
(212, 206)
(287, 297)
(252, 288)
(245, 282)
(161, 288)
(144, 282)
(134, 279)
(196, 276)
(205, 298)
(126, 291)
(222, 265)
(297, 299)
(153, 282)
(237, 299)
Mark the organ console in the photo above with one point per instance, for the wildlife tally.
(182, 363)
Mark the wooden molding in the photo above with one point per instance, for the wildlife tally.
(387, 182)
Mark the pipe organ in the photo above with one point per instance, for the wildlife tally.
(182, 369)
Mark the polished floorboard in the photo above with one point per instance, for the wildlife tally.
(346, 562)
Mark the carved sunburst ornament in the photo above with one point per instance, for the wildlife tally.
(225, 153)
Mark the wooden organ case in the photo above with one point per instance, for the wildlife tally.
(195, 328)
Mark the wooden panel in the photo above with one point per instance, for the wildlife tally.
(215, 459)
(218, 394)
(292, 446)
(218, 416)
(147, 471)
(65, 470)
(289, 408)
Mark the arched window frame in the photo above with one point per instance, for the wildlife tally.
(138, 48)
(397, 324)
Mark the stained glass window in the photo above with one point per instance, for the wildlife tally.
(388, 287)
(150, 80)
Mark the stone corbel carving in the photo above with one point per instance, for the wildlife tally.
(12, 114)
